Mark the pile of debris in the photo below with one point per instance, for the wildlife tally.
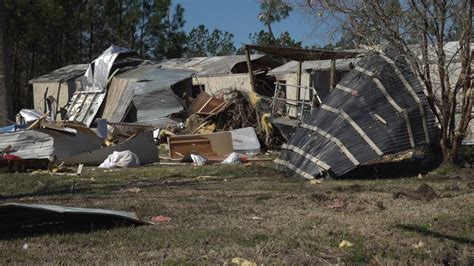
(122, 107)
(347, 109)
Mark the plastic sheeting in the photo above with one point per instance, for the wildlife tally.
(122, 159)
(30, 115)
(377, 108)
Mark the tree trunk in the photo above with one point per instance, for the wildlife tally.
(4, 81)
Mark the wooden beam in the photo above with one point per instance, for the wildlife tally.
(298, 79)
(249, 67)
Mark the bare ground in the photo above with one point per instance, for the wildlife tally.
(222, 212)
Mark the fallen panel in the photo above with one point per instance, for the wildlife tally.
(118, 100)
(212, 145)
(14, 216)
(143, 145)
(377, 108)
(147, 94)
(245, 140)
(84, 106)
(48, 143)
(206, 105)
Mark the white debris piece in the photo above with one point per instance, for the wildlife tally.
(124, 159)
(233, 158)
(198, 159)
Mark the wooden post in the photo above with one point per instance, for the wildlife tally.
(249, 67)
(298, 79)
(5, 100)
(332, 74)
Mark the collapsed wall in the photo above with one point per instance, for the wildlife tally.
(378, 108)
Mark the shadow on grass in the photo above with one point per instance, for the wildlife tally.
(53, 192)
(18, 221)
(426, 232)
(58, 229)
(100, 188)
(388, 170)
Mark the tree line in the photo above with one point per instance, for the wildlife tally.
(47, 34)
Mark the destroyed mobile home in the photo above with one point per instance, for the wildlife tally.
(330, 112)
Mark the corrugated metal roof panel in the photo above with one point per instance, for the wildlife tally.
(347, 119)
(154, 105)
(207, 66)
(63, 73)
(152, 94)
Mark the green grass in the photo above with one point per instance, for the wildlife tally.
(220, 212)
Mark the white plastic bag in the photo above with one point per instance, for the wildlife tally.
(233, 158)
(124, 159)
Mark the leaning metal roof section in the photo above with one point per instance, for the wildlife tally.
(302, 54)
(377, 108)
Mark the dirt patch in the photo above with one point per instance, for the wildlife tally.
(452, 187)
(320, 197)
(423, 192)
(351, 188)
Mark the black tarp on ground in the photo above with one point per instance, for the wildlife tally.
(378, 108)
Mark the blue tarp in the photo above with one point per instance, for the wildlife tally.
(12, 128)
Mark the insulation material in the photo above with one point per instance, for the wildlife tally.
(377, 108)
